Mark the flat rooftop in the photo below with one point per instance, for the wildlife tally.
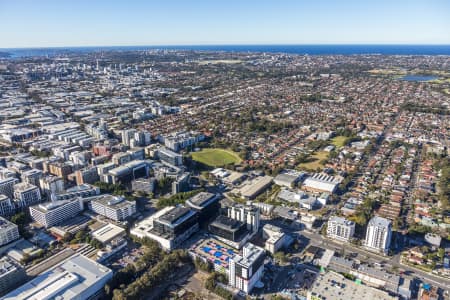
(332, 285)
(201, 199)
(174, 214)
(227, 223)
(107, 232)
(67, 280)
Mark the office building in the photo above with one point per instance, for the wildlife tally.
(230, 231)
(9, 232)
(7, 186)
(11, 275)
(170, 157)
(27, 194)
(378, 234)
(75, 278)
(340, 229)
(121, 158)
(128, 172)
(113, 207)
(205, 204)
(55, 212)
(246, 270)
(169, 227)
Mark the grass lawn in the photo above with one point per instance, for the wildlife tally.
(216, 157)
(339, 141)
(315, 161)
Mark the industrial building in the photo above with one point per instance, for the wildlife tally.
(319, 183)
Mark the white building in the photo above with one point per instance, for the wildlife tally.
(247, 214)
(7, 186)
(75, 278)
(113, 207)
(378, 234)
(246, 270)
(320, 183)
(8, 232)
(55, 212)
(340, 228)
(27, 194)
(275, 238)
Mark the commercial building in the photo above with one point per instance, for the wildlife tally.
(378, 235)
(319, 183)
(169, 227)
(113, 207)
(331, 285)
(246, 270)
(27, 194)
(340, 229)
(206, 204)
(9, 232)
(11, 275)
(75, 278)
(55, 212)
(7, 186)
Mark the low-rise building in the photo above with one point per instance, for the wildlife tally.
(75, 278)
(113, 207)
(55, 212)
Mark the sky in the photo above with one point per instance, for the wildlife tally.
(51, 23)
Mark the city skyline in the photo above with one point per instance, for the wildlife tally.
(113, 23)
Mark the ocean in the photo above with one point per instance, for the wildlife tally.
(291, 49)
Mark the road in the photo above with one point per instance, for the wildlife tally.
(319, 240)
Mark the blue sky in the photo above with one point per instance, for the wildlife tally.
(50, 23)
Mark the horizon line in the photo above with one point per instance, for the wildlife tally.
(228, 44)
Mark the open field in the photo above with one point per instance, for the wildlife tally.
(339, 141)
(316, 158)
(216, 157)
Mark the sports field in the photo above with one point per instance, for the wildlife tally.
(215, 157)
(315, 162)
(339, 141)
